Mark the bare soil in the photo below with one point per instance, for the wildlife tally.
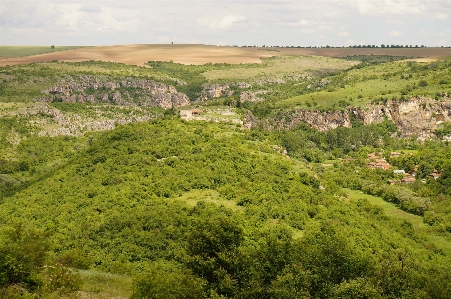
(201, 54)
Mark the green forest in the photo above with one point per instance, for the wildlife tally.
(169, 208)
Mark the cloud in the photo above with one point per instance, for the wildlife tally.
(269, 22)
(317, 24)
(395, 33)
(308, 31)
(90, 8)
(387, 7)
(395, 22)
(441, 16)
(224, 23)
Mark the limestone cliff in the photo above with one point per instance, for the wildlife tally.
(215, 91)
(122, 91)
(415, 117)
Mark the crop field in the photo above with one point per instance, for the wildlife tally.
(20, 51)
(279, 66)
(140, 54)
(194, 54)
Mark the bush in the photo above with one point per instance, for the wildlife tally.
(167, 280)
(61, 279)
(22, 254)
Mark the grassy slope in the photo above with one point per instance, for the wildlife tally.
(392, 210)
(360, 86)
(280, 66)
(20, 51)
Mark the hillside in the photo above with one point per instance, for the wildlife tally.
(259, 180)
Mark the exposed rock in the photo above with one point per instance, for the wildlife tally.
(49, 121)
(251, 96)
(243, 85)
(93, 89)
(322, 121)
(215, 91)
(416, 117)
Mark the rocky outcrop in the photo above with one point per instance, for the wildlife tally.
(50, 121)
(322, 121)
(415, 117)
(251, 96)
(125, 92)
(215, 91)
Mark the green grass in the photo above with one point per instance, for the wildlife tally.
(101, 285)
(194, 196)
(391, 210)
(279, 66)
(360, 86)
(20, 51)
(356, 95)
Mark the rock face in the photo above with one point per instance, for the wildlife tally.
(215, 91)
(50, 121)
(415, 117)
(322, 121)
(251, 96)
(126, 92)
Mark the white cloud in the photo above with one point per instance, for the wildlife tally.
(395, 33)
(395, 22)
(224, 23)
(304, 22)
(316, 24)
(88, 7)
(269, 22)
(441, 16)
(308, 31)
(387, 7)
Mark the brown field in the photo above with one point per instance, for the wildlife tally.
(201, 54)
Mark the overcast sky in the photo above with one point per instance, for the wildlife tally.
(226, 22)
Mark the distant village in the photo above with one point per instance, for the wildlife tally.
(377, 161)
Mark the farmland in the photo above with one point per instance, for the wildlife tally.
(196, 54)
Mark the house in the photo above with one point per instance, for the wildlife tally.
(408, 180)
(379, 164)
(374, 156)
(186, 114)
(399, 171)
(435, 174)
(394, 154)
(196, 111)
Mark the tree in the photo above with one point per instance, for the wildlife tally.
(52, 47)
(212, 246)
(167, 280)
(22, 254)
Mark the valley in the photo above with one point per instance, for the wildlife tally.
(225, 172)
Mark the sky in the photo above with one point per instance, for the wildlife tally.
(226, 22)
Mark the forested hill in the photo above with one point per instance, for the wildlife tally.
(205, 210)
